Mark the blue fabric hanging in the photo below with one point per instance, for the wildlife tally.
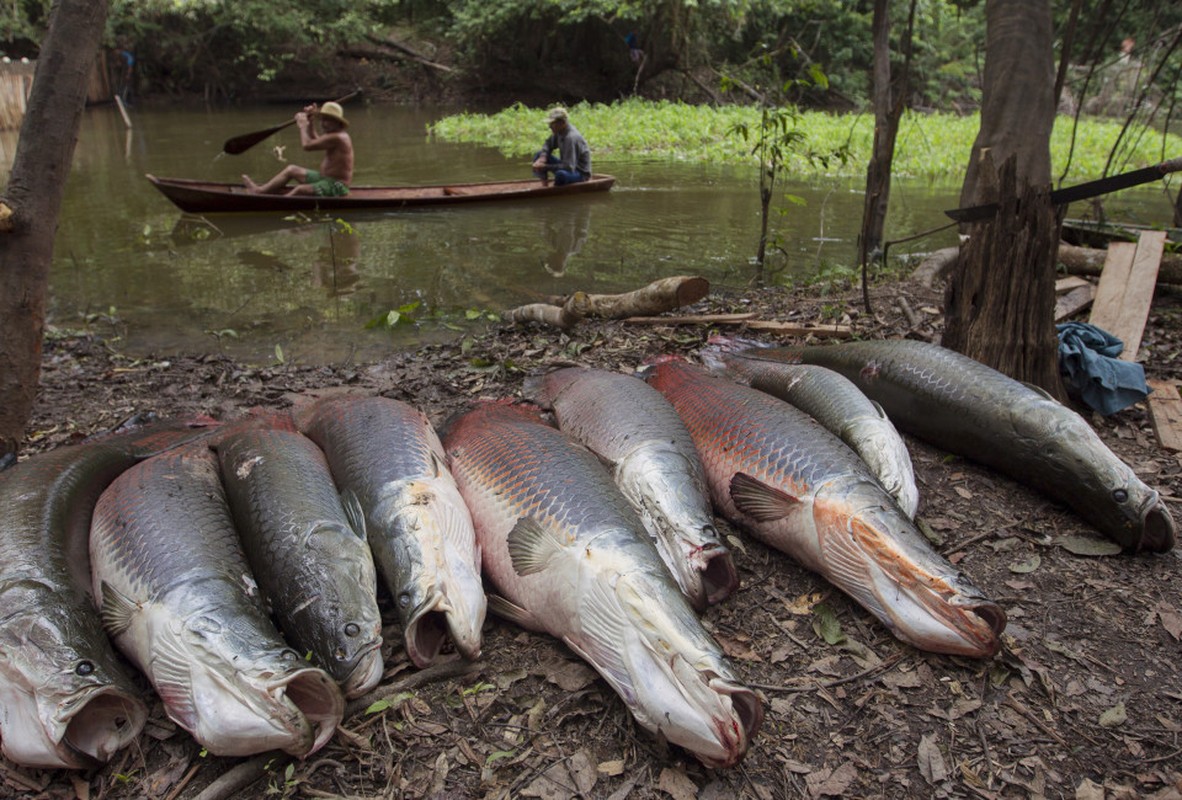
(1089, 364)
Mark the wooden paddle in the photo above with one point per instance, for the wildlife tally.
(240, 144)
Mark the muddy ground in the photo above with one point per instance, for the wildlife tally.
(1084, 701)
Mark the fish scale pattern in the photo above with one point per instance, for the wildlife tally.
(135, 538)
(538, 471)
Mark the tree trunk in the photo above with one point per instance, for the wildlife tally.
(34, 194)
(888, 110)
(1000, 303)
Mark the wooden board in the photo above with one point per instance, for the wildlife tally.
(1074, 301)
(1165, 411)
(833, 331)
(1126, 287)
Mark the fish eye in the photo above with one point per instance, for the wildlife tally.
(1120, 495)
(404, 599)
(352, 629)
(84, 668)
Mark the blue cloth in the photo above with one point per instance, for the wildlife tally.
(561, 176)
(1089, 365)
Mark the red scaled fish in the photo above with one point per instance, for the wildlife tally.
(777, 472)
(634, 430)
(570, 558)
(66, 700)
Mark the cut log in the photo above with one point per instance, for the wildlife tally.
(1165, 412)
(564, 317)
(657, 297)
(1090, 261)
(1126, 289)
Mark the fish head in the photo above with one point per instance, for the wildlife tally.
(676, 682)
(347, 610)
(239, 693)
(921, 597)
(1109, 495)
(440, 594)
(65, 701)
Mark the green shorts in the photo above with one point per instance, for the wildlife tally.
(326, 187)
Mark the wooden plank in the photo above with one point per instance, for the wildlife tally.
(1165, 412)
(1126, 288)
(1073, 302)
(1069, 283)
(747, 321)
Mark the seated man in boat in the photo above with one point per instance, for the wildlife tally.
(573, 163)
(336, 168)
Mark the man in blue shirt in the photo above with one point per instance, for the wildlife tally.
(573, 163)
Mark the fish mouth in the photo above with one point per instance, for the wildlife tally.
(734, 735)
(437, 620)
(82, 732)
(720, 578)
(1157, 527)
(366, 673)
(102, 725)
(317, 697)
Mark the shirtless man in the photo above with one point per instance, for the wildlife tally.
(336, 168)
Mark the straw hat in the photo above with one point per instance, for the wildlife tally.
(555, 114)
(333, 111)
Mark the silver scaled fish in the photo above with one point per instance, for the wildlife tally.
(635, 431)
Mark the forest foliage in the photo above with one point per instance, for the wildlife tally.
(577, 48)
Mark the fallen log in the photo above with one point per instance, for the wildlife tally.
(1077, 260)
(657, 297)
(747, 321)
(564, 317)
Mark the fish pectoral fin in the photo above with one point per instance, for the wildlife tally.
(513, 612)
(354, 514)
(118, 610)
(880, 410)
(173, 681)
(531, 547)
(759, 501)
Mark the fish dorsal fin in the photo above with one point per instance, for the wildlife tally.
(118, 610)
(759, 501)
(513, 612)
(173, 681)
(354, 514)
(531, 547)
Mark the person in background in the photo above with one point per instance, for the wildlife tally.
(573, 163)
(126, 73)
(336, 168)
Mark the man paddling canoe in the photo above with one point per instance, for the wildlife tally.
(336, 168)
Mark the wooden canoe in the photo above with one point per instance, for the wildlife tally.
(201, 197)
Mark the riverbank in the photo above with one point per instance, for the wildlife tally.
(1087, 692)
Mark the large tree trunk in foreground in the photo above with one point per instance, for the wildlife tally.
(32, 200)
(999, 305)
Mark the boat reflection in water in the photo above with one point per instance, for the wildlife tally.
(335, 263)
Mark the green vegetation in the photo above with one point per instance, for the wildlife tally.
(932, 147)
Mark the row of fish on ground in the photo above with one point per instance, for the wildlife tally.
(236, 565)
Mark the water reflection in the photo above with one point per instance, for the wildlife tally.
(337, 266)
(565, 232)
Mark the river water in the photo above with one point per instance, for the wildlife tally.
(266, 288)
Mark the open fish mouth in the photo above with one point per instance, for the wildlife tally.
(437, 620)
(734, 734)
(719, 576)
(89, 728)
(958, 625)
(321, 703)
(103, 724)
(1158, 532)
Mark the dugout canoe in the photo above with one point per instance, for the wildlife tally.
(202, 197)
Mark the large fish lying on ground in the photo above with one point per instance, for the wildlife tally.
(66, 700)
(832, 400)
(307, 550)
(387, 454)
(178, 598)
(962, 406)
(800, 489)
(570, 558)
(631, 427)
